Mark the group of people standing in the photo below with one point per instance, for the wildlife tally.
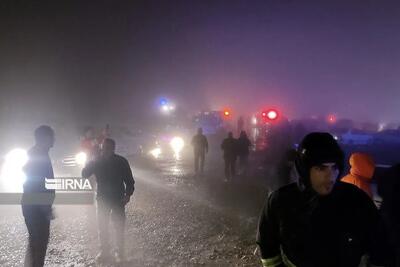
(115, 187)
(232, 150)
(321, 219)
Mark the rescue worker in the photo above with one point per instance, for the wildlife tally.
(229, 146)
(389, 190)
(115, 186)
(318, 221)
(200, 148)
(361, 172)
(244, 145)
(37, 201)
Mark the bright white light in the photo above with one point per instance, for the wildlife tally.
(17, 157)
(156, 152)
(272, 115)
(254, 120)
(81, 158)
(12, 174)
(177, 144)
(165, 108)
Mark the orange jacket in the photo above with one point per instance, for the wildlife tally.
(361, 172)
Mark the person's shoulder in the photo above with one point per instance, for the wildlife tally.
(33, 151)
(285, 192)
(121, 158)
(348, 190)
(347, 187)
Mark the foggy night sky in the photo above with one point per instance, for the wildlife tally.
(87, 60)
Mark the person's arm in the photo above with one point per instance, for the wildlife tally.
(128, 181)
(206, 143)
(89, 169)
(268, 235)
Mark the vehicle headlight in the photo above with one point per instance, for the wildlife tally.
(81, 158)
(156, 152)
(177, 144)
(12, 174)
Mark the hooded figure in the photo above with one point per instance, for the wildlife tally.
(318, 220)
(361, 172)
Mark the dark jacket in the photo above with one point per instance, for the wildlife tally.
(35, 195)
(243, 146)
(113, 175)
(230, 148)
(200, 144)
(389, 190)
(314, 231)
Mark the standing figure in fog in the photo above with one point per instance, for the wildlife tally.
(244, 145)
(115, 186)
(230, 147)
(37, 201)
(200, 149)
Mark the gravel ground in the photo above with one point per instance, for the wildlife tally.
(172, 220)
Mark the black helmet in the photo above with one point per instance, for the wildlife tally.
(315, 149)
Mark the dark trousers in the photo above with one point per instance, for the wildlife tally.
(199, 162)
(244, 164)
(230, 167)
(38, 225)
(116, 210)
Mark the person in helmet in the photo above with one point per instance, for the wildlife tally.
(318, 220)
(361, 172)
